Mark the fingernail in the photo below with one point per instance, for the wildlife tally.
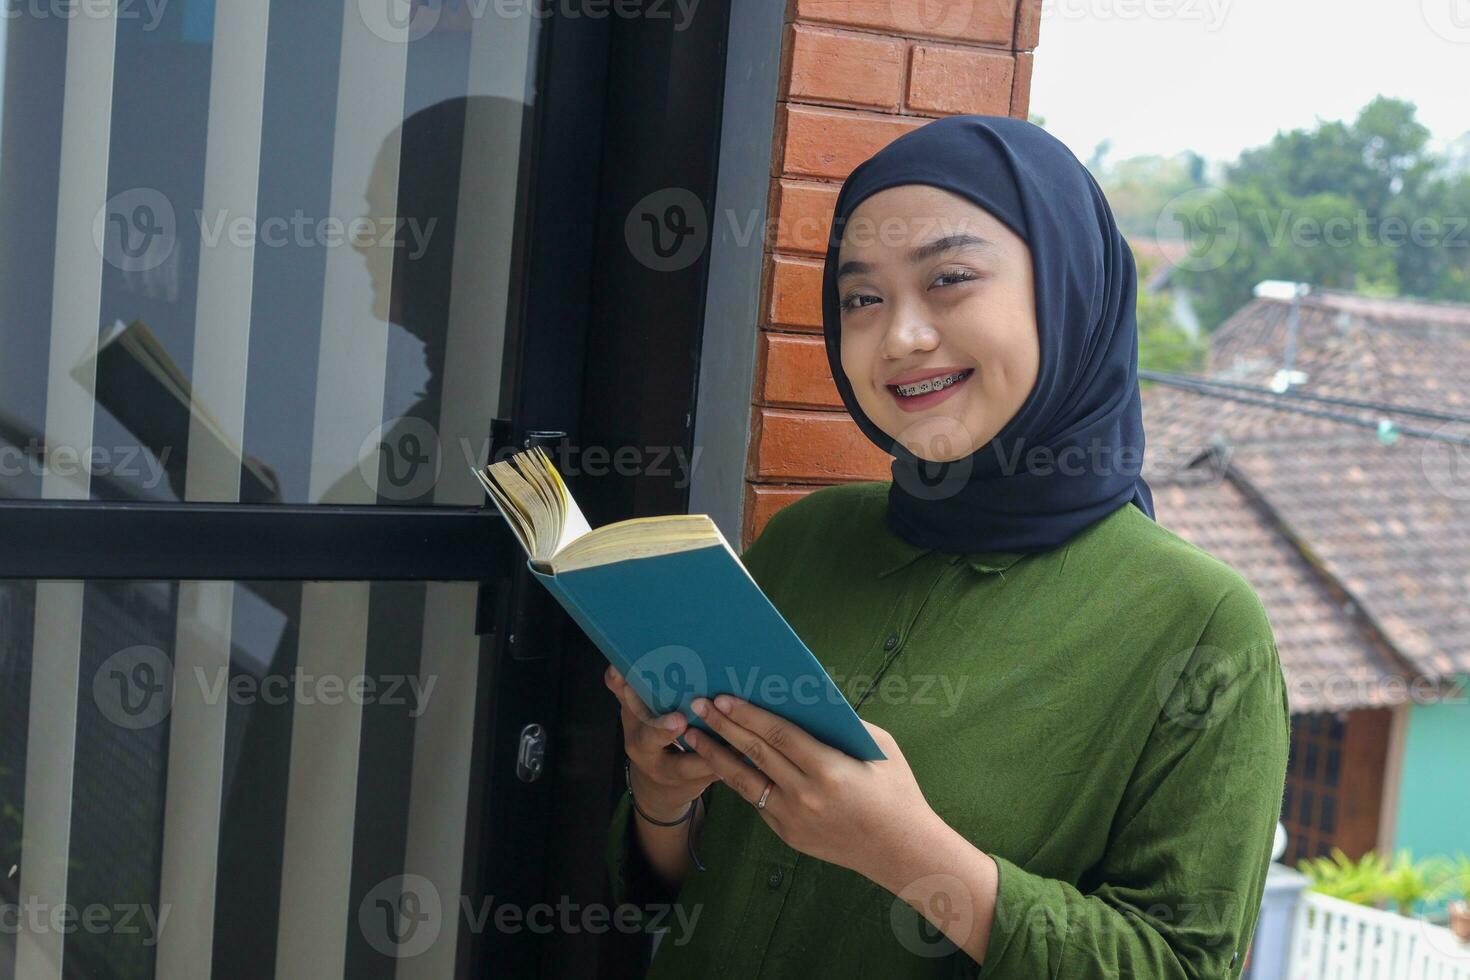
(724, 702)
(672, 722)
(700, 706)
(691, 738)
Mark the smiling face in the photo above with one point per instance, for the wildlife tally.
(939, 338)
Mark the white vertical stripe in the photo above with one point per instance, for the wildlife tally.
(321, 792)
(206, 609)
(352, 363)
(196, 749)
(485, 231)
(226, 269)
(76, 299)
(443, 738)
(321, 796)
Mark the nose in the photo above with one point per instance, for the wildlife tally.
(907, 333)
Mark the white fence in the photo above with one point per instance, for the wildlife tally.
(1336, 940)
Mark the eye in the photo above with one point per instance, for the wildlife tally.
(850, 302)
(957, 275)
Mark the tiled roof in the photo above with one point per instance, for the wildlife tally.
(1359, 548)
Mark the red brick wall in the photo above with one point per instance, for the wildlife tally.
(855, 74)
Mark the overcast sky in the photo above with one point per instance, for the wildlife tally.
(1218, 76)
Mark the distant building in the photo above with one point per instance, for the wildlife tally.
(1358, 542)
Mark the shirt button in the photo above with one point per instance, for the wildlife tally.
(891, 642)
(775, 879)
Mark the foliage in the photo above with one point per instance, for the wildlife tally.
(1341, 877)
(1373, 879)
(1364, 205)
(1163, 345)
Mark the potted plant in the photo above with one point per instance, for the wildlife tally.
(1409, 882)
(1339, 876)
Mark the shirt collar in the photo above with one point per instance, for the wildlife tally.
(896, 553)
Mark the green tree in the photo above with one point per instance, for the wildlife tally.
(1364, 205)
(1163, 345)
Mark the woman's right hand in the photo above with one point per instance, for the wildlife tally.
(665, 780)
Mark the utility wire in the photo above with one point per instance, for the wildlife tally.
(1190, 384)
(1422, 413)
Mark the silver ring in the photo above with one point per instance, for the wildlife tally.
(760, 804)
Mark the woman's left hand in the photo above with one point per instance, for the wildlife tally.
(865, 816)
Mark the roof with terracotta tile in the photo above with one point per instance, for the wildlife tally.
(1359, 547)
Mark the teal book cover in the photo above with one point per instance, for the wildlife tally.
(694, 623)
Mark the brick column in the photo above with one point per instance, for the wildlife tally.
(855, 74)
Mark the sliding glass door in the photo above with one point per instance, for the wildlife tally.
(264, 268)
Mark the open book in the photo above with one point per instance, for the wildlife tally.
(670, 605)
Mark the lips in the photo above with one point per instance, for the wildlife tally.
(925, 373)
(928, 389)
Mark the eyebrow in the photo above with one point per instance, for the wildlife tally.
(948, 243)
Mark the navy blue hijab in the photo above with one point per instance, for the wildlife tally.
(1073, 452)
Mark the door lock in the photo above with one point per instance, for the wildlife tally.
(531, 754)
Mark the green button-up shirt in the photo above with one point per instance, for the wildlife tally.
(1107, 720)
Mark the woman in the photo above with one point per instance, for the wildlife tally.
(1083, 715)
